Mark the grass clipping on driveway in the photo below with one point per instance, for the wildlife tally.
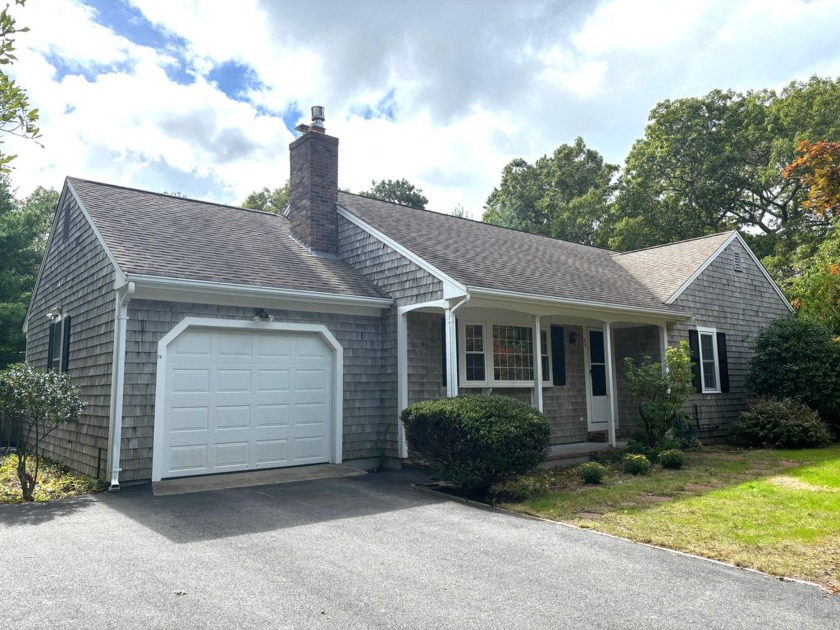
(775, 511)
(54, 481)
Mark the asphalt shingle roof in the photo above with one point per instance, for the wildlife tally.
(484, 256)
(173, 237)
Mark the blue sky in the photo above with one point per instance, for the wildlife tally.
(202, 97)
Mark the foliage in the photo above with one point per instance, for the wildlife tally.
(17, 117)
(266, 200)
(592, 472)
(636, 464)
(787, 423)
(818, 170)
(524, 487)
(55, 481)
(398, 191)
(35, 402)
(609, 456)
(660, 395)
(672, 459)
(23, 232)
(815, 289)
(476, 441)
(460, 212)
(565, 195)
(797, 357)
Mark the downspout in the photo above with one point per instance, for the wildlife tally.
(451, 350)
(118, 382)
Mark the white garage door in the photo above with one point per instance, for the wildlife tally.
(244, 400)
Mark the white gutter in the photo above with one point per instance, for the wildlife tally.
(451, 348)
(118, 381)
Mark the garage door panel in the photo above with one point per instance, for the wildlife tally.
(252, 400)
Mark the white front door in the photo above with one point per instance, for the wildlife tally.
(244, 400)
(597, 401)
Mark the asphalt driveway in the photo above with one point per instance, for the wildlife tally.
(362, 552)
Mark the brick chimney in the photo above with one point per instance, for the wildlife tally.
(313, 186)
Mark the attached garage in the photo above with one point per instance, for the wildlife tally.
(238, 395)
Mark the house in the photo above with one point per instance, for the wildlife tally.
(208, 338)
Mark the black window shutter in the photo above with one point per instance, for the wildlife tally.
(443, 347)
(65, 345)
(694, 344)
(723, 363)
(558, 355)
(50, 346)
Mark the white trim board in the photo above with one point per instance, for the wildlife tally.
(209, 322)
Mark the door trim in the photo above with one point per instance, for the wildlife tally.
(209, 322)
(587, 366)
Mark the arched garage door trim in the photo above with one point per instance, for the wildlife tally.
(211, 323)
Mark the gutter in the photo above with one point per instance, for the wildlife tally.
(118, 381)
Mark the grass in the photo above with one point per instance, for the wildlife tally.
(54, 481)
(775, 511)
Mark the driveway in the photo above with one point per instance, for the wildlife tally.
(362, 552)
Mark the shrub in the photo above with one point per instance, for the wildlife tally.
(672, 458)
(787, 423)
(609, 456)
(592, 472)
(660, 394)
(524, 487)
(636, 464)
(797, 357)
(476, 441)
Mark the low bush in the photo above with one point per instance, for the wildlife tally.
(476, 441)
(592, 472)
(609, 456)
(672, 459)
(787, 423)
(524, 487)
(636, 464)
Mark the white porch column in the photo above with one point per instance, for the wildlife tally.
(538, 378)
(611, 389)
(451, 355)
(663, 347)
(402, 378)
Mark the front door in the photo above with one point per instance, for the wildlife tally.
(597, 401)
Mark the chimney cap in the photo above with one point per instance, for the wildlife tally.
(317, 116)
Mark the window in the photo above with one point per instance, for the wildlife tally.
(501, 354)
(58, 345)
(708, 353)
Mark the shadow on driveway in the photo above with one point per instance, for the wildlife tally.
(211, 515)
(17, 514)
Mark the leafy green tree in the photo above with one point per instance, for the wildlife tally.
(398, 191)
(814, 290)
(267, 200)
(35, 402)
(660, 394)
(566, 195)
(17, 117)
(23, 233)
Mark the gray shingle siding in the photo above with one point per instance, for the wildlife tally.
(369, 420)
(738, 304)
(636, 343)
(78, 276)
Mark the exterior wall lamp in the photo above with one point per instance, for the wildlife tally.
(572, 338)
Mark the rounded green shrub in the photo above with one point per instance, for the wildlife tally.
(592, 472)
(476, 441)
(787, 423)
(672, 458)
(636, 464)
(797, 357)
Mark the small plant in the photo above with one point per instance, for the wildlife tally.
(592, 472)
(36, 402)
(787, 423)
(635, 464)
(477, 441)
(672, 459)
(524, 487)
(609, 456)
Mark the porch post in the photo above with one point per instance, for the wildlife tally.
(402, 378)
(538, 393)
(663, 347)
(451, 355)
(611, 390)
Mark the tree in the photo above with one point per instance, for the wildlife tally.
(17, 117)
(35, 402)
(814, 290)
(818, 171)
(566, 195)
(23, 233)
(266, 200)
(398, 191)
(715, 163)
(660, 394)
(460, 212)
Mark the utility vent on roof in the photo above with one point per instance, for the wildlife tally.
(737, 262)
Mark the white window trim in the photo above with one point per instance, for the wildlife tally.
(713, 332)
(57, 344)
(487, 329)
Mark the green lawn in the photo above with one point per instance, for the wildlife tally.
(54, 482)
(776, 511)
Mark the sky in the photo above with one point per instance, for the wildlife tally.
(201, 97)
